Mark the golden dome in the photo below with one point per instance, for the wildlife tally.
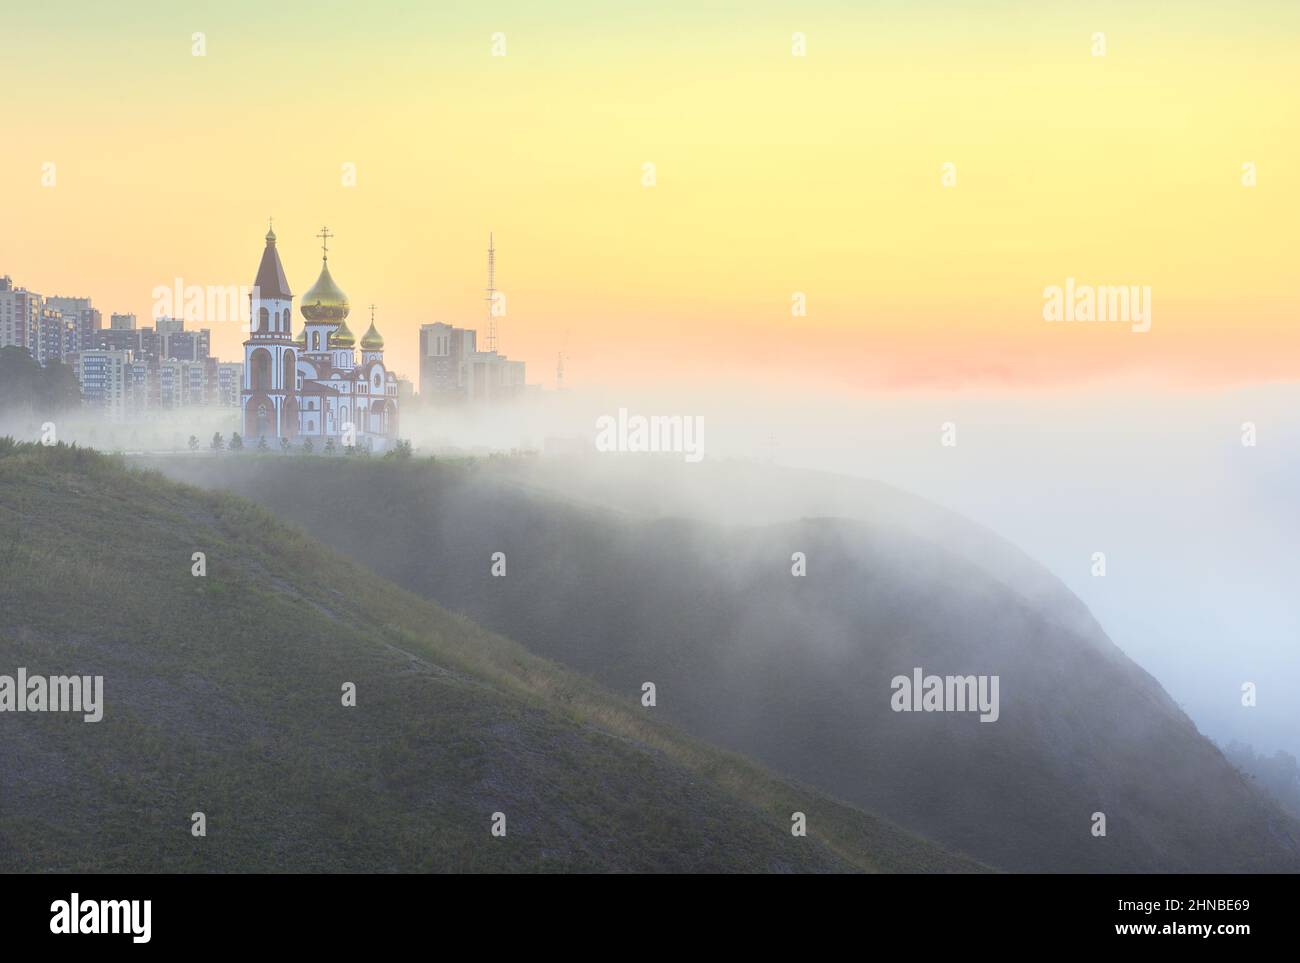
(341, 337)
(372, 340)
(324, 301)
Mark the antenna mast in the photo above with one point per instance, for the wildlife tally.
(492, 295)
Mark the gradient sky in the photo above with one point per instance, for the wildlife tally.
(776, 174)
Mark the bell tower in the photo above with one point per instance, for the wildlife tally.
(270, 391)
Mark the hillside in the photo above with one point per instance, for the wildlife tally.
(624, 578)
(222, 695)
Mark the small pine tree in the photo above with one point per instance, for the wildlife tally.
(261, 443)
(236, 442)
(218, 442)
(194, 443)
(284, 445)
(329, 446)
(307, 445)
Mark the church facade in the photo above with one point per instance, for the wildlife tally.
(312, 386)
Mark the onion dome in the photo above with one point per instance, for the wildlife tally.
(372, 340)
(342, 337)
(324, 301)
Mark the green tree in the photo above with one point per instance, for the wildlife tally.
(59, 389)
(307, 445)
(25, 385)
(218, 442)
(236, 443)
(194, 443)
(401, 451)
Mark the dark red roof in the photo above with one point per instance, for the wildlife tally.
(313, 387)
(271, 283)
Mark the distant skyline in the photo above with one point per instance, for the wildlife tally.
(775, 174)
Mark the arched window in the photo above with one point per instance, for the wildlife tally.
(315, 340)
(260, 376)
(262, 420)
(263, 319)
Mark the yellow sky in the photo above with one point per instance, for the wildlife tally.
(775, 175)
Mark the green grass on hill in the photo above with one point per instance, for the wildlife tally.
(222, 695)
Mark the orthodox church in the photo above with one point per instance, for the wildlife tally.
(311, 386)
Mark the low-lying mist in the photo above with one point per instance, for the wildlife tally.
(1197, 525)
(1197, 528)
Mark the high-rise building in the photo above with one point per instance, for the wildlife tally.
(445, 351)
(182, 384)
(122, 322)
(85, 315)
(56, 337)
(225, 380)
(170, 384)
(167, 326)
(493, 377)
(138, 384)
(141, 342)
(103, 380)
(20, 317)
(186, 345)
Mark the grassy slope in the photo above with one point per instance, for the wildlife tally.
(223, 695)
(795, 672)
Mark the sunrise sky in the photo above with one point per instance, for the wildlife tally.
(775, 174)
